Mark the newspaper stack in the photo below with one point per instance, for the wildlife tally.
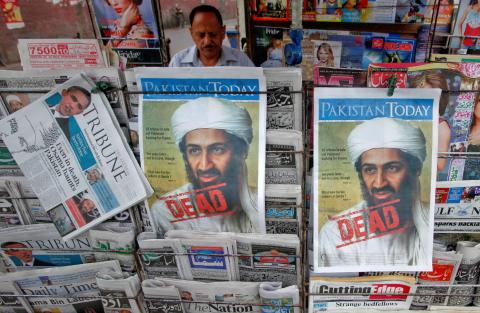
(284, 98)
(284, 158)
(284, 163)
(283, 209)
(67, 289)
(16, 208)
(279, 300)
(445, 268)
(200, 297)
(67, 144)
(283, 177)
(121, 292)
(222, 256)
(160, 297)
(468, 273)
(386, 293)
(36, 246)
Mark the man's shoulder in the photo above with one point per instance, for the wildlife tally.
(238, 55)
(179, 57)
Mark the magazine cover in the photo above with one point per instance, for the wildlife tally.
(336, 77)
(459, 130)
(356, 11)
(327, 53)
(268, 46)
(373, 193)
(270, 10)
(409, 11)
(309, 12)
(445, 12)
(388, 50)
(466, 24)
(130, 28)
(202, 147)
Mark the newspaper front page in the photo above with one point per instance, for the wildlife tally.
(32, 246)
(283, 211)
(374, 161)
(279, 300)
(217, 297)
(445, 268)
(457, 207)
(284, 98)
(69, 146)
(383, 293)
(60, 53)
(19, 88)
(70, 289)
(284, 160)
(121, 292)
(202, 145)
(161, 298)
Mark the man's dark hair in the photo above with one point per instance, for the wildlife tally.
(82, 90)
(9, 243)
(413, 163)
(205, 8)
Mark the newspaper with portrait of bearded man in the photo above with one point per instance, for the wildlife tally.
(202, 147)
(69, 146)
(374, 179)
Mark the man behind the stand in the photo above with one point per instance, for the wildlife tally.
(207, 31)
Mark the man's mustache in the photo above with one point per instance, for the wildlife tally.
(383, 189)
(209, 46)
(209, 172)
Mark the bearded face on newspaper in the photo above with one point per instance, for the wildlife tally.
(378, 185)
(203, 161)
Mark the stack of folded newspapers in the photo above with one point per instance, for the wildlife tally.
(194, 255)
(182, 296)
(67, 289)
(37, 246)
(121, 292)
(284, 146)
(71, 149)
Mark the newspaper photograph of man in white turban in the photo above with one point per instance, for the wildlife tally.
(374, 179)
(202, 147)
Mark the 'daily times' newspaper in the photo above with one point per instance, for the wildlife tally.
(69, 289)
(69, 146)
(374, 161)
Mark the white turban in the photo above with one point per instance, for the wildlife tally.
(208, 112)
(12, 98)
(386, 133)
